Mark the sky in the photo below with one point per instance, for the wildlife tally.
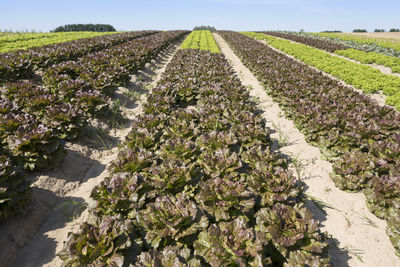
(239, 15)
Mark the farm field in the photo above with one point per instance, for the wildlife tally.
(364, 77)
(388, 35)
(179, 148)
(12, 42)
(352, 50)
(389, 39)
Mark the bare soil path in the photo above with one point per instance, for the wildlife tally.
(71, 184)
(358, 238)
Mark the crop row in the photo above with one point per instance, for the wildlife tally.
(24, 41)
(196, 183)
(14, 189)
(371, 58)
(367, 47)
(364, 77)
(383, 42)
(23, 63)
(360, 138)
(320, 44)
(359, 55)
(35, 120)
(14, 38)
(202, 40)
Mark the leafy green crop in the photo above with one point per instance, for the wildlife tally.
(371, 57)
(359, 137)
(366, 57)
(22, 63)
(195, 181)
(383, 42)
(345, 44)
(314, 42)
(14, 189)
(203, 40)
(36, 119)
(360, 76)
(25, 41)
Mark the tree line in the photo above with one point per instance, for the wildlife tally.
(85, 28)
(204, 28)
(377, 30)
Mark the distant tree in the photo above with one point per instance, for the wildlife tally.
(379, 30)
(394, 30)
(359, 30)
(85, 28)
(204, 28)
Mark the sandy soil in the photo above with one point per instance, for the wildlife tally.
(60, 197)
(354, 240)
(383, 35)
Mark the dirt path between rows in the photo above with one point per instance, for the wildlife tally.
(69, 209)
(355, 240)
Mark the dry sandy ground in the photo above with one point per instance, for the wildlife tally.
(68, 188)
(384, 35)
(354, 241)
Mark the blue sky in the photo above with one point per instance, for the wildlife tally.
(310, 15)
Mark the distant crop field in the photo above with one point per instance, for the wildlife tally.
(11, 42)
(385, 35)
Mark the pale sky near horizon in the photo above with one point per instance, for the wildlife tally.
(310, 15)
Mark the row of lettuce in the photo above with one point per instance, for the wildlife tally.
(196, 183)
(14, 42)
(36, 119)
(351, 41)
(360, 138)
(368, 43)
(363, 55)
(22, 64)
(202, 40)
(364, 77)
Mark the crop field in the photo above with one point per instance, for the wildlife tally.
(199, 148)
(366, 78)
(9, 43)
(388, 39)
(378, 35)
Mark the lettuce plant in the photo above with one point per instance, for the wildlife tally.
(231, 243)
(101, 245)
(289, 227)
(14, 189)
(225, 198)
(171, 219)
